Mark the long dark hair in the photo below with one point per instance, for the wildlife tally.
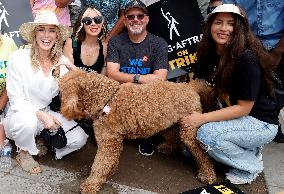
(242, 38)
(78, 29)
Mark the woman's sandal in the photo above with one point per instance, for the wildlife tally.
(27, 162)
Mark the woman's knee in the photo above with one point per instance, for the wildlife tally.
(205, 135)
(22, 125)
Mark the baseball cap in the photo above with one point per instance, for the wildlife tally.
(135, 4)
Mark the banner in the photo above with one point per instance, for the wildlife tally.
(180, 24)
(12, 14)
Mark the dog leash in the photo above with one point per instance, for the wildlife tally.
(77, 125)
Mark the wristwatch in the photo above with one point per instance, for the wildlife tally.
(136, 78)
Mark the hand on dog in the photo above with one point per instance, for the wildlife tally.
(195, 119)
(150, 78)
(49, 121)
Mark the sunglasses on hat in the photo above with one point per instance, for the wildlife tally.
(88, 21)
(138, 16)
(210, 9)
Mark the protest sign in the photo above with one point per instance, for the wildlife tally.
(12, 14)
(180, 24)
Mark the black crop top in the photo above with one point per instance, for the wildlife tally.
(98, 66)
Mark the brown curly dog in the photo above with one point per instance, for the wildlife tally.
(130, 111)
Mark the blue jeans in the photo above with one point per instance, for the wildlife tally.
(236, 143)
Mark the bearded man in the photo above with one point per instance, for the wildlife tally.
(137, 56)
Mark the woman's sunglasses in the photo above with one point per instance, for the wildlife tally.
(132, 17)
(88, 21)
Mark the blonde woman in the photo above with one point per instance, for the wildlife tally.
(31, 87)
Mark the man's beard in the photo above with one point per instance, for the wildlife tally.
(136, 31)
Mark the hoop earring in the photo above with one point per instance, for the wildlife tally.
(103, 35)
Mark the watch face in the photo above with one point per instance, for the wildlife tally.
(136, 78)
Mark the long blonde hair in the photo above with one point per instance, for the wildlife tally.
(56, 50)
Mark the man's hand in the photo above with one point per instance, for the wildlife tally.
(49, 121)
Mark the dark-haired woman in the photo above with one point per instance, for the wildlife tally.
(86, 49)
(231, 59)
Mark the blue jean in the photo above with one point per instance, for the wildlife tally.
(236, 142)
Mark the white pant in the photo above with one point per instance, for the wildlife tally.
(23, 127)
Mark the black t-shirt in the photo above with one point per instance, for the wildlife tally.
(97, 66)
(138, 58)
(246, 83)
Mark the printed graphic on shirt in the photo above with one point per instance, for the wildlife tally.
(87, 69)
(137, 66)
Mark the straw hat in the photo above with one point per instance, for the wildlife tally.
(43, 17)
(226, 8)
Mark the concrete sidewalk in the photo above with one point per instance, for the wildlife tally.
(273, 158)
(59, 178)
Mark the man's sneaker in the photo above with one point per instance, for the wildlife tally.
(146, 148)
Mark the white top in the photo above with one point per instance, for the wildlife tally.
(28, 89)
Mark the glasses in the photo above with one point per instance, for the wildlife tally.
(88, 21)
(139, 17)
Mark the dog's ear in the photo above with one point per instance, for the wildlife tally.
(72, 108)
(69, 85)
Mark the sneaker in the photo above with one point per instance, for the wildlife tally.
(235, 179)
(239, 177)
(146, 148)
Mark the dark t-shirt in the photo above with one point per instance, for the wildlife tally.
(246, 83)
(97, 66)
(138, 58)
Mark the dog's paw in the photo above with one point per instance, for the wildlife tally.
(89, 187)
(207, 178)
